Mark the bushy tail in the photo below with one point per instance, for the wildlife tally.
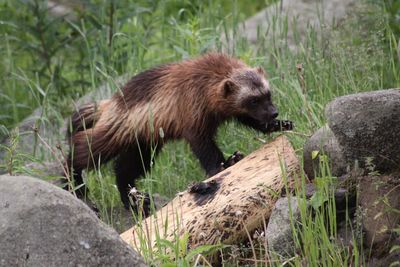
(83, 119)
(91, 136)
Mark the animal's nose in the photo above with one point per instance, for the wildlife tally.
(273, 111)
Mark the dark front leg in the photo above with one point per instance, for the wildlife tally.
(208, 153)
(232, 160)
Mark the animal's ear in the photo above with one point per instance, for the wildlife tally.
(260, 70)
(228, 87)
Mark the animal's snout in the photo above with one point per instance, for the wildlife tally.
(273, 112)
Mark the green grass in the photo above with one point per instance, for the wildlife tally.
(50, 62)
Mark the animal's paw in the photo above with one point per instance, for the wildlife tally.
(280, 125)
(140, 202)
(232, 160)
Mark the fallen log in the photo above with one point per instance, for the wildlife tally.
(231, 204)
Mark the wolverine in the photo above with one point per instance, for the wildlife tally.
(185, 100)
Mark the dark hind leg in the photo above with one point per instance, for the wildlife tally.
(75, 180)
(75, 168)
(129, 166)
(79, 186)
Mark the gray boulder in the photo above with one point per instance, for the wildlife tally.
(296, 17)
(367, 126)
(42, 225)
(379, 200)
(325, 142)
(279, 233)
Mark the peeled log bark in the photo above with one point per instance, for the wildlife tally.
(244, 194)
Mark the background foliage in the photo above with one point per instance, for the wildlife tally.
(49, 61)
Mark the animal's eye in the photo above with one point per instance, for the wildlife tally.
(254, 101)
(257, 84)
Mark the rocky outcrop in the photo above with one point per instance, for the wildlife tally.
(363, 130)
(279, 233)
(379, 199)
(363, 145)
(324, 142)
(298, 16)
(367, 126)
(42, 225)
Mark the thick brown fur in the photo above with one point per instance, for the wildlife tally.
(186, 100)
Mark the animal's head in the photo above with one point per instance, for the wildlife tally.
(249, 94)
